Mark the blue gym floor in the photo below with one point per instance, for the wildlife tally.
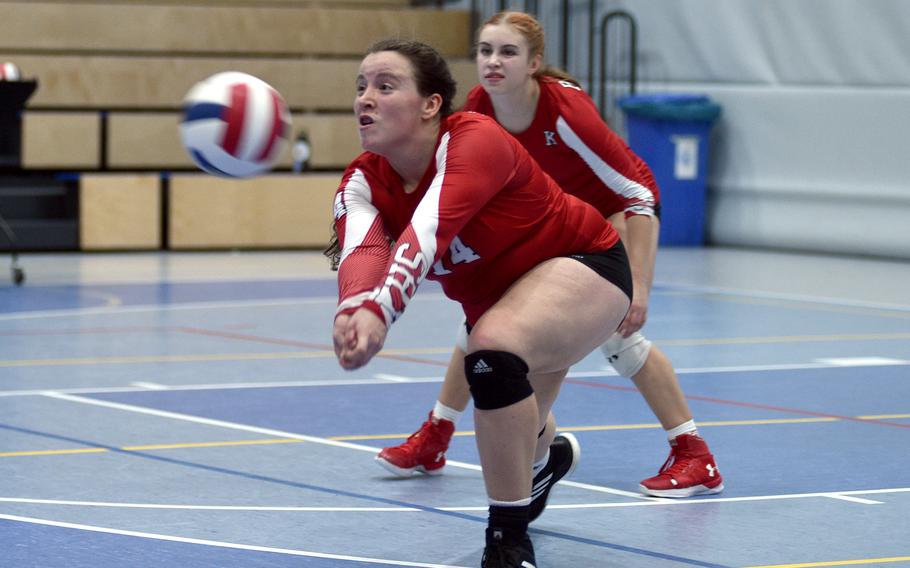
(186, 410)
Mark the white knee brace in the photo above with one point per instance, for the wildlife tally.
(626, 354)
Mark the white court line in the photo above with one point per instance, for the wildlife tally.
(282, 509)
(384, 378)
(222, 544)
(782, 296)
(855, 500)
(372, 450)
(149, 386)
(209, 421)
(392, 378)
(849, 496)
(292, 435)
(219, 386)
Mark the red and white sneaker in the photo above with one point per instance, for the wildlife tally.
(690, 470)
(424, 450)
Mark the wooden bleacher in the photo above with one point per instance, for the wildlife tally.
(112, 75)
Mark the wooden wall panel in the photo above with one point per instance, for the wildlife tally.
(142, 28)
(267, 212)
(120, 212)
(61, 140)
(140, 82)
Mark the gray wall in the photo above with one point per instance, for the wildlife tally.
(813, 149)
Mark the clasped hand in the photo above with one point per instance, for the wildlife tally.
(357, 338)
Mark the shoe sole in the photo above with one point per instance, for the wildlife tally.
(406, 472)
(576, 452)
(682, 493)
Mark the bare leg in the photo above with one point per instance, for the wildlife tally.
(454, 392)
(660, 388)
(506, 459)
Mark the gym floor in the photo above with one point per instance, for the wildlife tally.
(185, 409)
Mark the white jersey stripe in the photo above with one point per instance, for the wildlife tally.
(426, 217)
(617, 182)
(356, 203)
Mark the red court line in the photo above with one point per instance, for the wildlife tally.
(749, 405)
(85, 331)
(300, 344)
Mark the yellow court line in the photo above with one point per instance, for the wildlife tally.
(52, 452)
(838, 563)
(367, 437)
(883, 416)
(151, 447)
(209, 444)
(613, 427)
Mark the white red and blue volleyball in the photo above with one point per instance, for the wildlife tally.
(235, 125)
(9, 72)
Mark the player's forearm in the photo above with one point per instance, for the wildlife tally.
(641, 247)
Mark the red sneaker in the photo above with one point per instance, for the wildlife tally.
(690, 470)
(424, 450)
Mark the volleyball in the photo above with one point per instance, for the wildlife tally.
(234, 125)
(9, 72)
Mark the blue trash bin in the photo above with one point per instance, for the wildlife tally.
(670, 133)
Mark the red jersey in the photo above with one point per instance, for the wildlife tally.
(576, 148)
(483, 215)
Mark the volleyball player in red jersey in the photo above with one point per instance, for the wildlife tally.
(558, 123)
(465, 204)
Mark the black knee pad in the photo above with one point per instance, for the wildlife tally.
(497, 379)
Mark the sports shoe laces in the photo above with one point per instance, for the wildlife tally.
(678, 462)
(425, 432)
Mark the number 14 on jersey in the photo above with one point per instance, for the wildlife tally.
(458, 253)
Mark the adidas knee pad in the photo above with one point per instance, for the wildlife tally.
(497, 379)
(627, 354)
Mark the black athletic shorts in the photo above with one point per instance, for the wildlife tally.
(612, 264)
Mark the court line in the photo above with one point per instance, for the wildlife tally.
(281, 434)
(838, 563)
(384, 354)
(837, 495)
(191, 306)
(723, 401)
(782, 296)
(216, 386)
(365, 497)
(222, 544)
(462, 433)
(405, 354)
(347, 445)
(385, 378)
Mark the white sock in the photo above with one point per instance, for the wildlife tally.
(520, 503)
(444, 412)
(535, 469)
(684, 428)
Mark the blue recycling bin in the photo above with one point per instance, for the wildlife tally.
(670, 133)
